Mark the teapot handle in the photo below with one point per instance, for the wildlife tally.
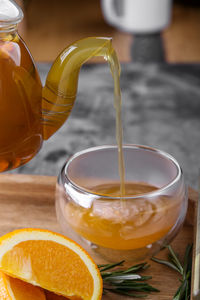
(59, 92)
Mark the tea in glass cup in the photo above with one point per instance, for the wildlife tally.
(92, 211)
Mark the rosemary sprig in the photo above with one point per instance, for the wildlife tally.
(126, 282)
(185, 269)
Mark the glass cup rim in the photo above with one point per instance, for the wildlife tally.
(132, 146)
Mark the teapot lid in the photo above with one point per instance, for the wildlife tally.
(10, 13)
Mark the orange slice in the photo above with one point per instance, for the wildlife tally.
(51, 261)
(15, 289)
(52, 296)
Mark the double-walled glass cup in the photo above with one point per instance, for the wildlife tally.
(131, 227)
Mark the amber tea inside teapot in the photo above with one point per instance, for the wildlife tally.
(30, 113)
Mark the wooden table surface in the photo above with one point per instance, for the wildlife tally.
(28, 201)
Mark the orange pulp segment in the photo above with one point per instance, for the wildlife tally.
(15, 289)
(52, 296)
(51, 261)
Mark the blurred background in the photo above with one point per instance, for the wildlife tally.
(50, 25)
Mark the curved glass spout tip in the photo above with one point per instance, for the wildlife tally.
(10, 13)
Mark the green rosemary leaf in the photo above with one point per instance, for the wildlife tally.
(123, 277)
(153, 289)
(185, 269)
(110, 266)
(187, 260)
(143, 278)
(120, 273)
(137, 267)
(188, 275)
(166, 263)
(126, 282)
(135, 288)
(175, 259)
(177, 294)
(183, 290)
(127, 293)
(109, 274)
(131, 283)
(186, 291)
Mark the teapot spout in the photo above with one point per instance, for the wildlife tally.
(59, 92)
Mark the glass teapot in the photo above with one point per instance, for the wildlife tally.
(30, 113)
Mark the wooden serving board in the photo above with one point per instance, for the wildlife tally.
(28, 201)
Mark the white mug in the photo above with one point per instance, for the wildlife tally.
(138, 16)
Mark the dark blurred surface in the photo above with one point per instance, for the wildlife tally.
(161, 108)
(190, 3)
